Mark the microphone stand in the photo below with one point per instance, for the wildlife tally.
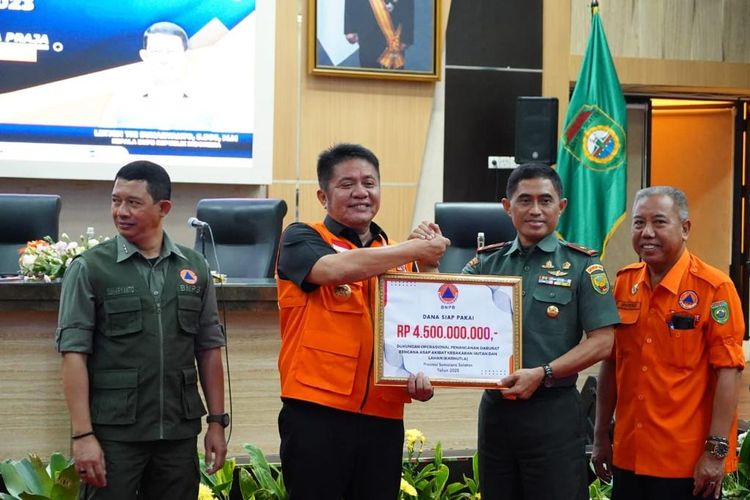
(203, 241)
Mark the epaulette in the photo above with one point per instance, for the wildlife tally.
(588, 251)
(494, 246)
(636, 266)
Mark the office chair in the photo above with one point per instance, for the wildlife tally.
(460, 222)
(25, 217)
(246, 233)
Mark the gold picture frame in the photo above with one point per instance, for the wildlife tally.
(413, 27)
(458, 329)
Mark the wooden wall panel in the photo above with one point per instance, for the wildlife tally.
(314, 112)
(694, 30)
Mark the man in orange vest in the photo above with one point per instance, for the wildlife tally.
(341, 435)
(674, 375)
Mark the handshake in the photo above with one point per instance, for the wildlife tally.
(430, 245)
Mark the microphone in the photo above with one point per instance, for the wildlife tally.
(193, 222)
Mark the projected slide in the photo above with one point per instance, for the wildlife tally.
(87, 86)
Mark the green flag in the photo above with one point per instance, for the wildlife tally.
(591, 159)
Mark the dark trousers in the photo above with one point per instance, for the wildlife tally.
(148, 470)
(532, 449)
(628, 485)
(329, 454)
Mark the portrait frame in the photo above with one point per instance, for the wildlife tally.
(450, 360)
(331, 53)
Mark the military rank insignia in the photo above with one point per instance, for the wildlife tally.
(720, 312)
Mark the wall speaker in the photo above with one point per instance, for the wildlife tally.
(536, 130)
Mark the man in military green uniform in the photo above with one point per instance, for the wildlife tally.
(531, 443)
(136, 312)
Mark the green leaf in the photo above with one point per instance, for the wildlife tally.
(262, 471)
(14, 482)
(5, 496)
(248, 486)
(67, 484)
(57, 463)
(31, 496)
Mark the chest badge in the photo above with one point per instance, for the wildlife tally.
(342, 292)
(557, 273)
(189, 276)
(548, 265)
(688, 300)
(553, 311)
(634, 290)
(566, 266)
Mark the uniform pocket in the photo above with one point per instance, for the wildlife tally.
(683, 348)
(114, 396)
(328, 361)
(189, 313)
(192, 404)
(124, 316)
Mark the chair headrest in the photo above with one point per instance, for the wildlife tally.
(461, 221)
(242, 220)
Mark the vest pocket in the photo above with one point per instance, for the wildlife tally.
(114, 397)
(189, 312)
(192, 404)
(124, 316)
(328, 361)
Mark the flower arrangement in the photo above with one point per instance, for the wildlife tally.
(46, 260)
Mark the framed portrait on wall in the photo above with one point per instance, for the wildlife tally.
(394, 39)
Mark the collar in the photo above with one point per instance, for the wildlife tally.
(671, 281)
(350, 234)
(548, 244)
(126, 249)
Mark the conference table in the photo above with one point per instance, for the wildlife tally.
(35, 417)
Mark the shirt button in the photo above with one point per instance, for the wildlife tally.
(677, 334)
(526, 268)
(552, 294)
(639, 425)
(640, 397)
(156, 293)
(648, 340)
(644, 368)
(523, 293)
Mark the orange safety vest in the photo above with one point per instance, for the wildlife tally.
(327, 342)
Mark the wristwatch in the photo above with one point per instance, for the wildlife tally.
(222, 419)
(717, 446)
(548, 379)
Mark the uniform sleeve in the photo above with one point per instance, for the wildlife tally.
(596, 304)
(726, 329)
(76, 320)
(210, 333)
(300, 248)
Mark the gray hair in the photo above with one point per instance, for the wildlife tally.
(678, 197)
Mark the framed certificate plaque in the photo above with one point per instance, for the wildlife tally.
(459, 330)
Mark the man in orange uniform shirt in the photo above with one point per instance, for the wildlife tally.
(674, 377)
(341, 435)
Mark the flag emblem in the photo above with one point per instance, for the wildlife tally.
(595, 140)
(448, 293)
(189, 276)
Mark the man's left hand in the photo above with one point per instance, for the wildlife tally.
(522, 383)
(216, 447)
(707, 476)
(419, 387)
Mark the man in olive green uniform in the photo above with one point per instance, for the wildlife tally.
(531, 443)
(136, 312)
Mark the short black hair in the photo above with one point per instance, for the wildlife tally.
(528, 171)
(339, 153)
(165, 28)
(158, 184)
